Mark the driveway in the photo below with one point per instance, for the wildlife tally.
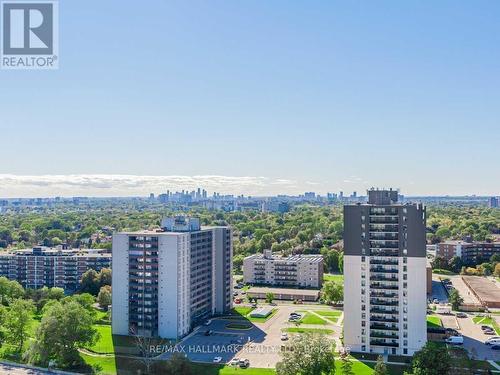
(474, 339)
(261, 344)
(12, 370)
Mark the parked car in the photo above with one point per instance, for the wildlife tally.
(461, 315)
(495, 347)
(483, 327)
(237, 301)
(435, 300)
(207, 323)
(455, 340)
(208, 332)
(254, 305)
(244, 363)
(284, 336)
(493, 341)
(489, 332)
(217, 360)
(234, 362)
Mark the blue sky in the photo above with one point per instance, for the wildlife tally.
(292, 95)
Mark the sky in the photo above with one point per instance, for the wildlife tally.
(259, 97)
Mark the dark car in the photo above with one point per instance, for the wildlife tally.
(495, 347)
(486, 328)
(208, 332)
(461, 315)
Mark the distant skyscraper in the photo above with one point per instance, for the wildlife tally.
(385, 299)
(493, 202)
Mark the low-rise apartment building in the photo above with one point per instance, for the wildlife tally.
(469, 252)
(41, 266)
(169, 280)
(293, 271)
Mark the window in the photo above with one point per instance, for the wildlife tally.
(363, 259)
(405, 351)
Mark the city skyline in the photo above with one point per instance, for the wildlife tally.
(47, 186)
(284, 91)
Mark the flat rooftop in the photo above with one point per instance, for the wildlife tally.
(291, 258)
(486, 290)
(298, 292)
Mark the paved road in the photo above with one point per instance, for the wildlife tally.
(11, 370)
(438, 291)
(474, 339)
(260, 344)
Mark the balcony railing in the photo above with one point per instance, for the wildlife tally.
(381, 318)
(384, 270)
(384, 327)
(384, 286)
(393, 262)
(383, 343)
(383, 295)
(383, 278)
(381, 302)
(379, 310)
(384, 335)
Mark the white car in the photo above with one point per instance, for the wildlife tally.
(495, 340)
(207, 323)
(217, 359)
(284, 336)
(234, 362)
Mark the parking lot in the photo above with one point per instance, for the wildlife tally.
(260, 344)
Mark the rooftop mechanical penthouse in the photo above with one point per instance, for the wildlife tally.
(167, 281)
(384, 275)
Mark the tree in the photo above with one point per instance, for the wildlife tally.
(332, 292)
(455, 264)
(90, 282)
(346, 365)
(439, 262)
(497, 270)
(17, 322)
(432, 359)
(380, 367)
(104, 297)
(9, 290)
(309, 354)
(64, 328)
(455, 299)
(104, 277)
(269, 297)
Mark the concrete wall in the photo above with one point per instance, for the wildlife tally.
(119, 309)
(417, 304)
(352, 303)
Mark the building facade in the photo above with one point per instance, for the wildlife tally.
(384, 275)
(167, 281)
(469, 252)
(293, 271)
(40, 266)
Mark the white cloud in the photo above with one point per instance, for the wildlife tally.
(129, 185)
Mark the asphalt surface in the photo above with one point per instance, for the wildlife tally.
(11, 370)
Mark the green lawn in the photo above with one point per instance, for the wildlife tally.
(101, 317)
(106, 365)
(311, 330)
(332, 315)
(312, 319)
(440, 271)
(433, 321)
(104, 344)
(243, 310)
(487, 321)
(262, 320)
(339, 278)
